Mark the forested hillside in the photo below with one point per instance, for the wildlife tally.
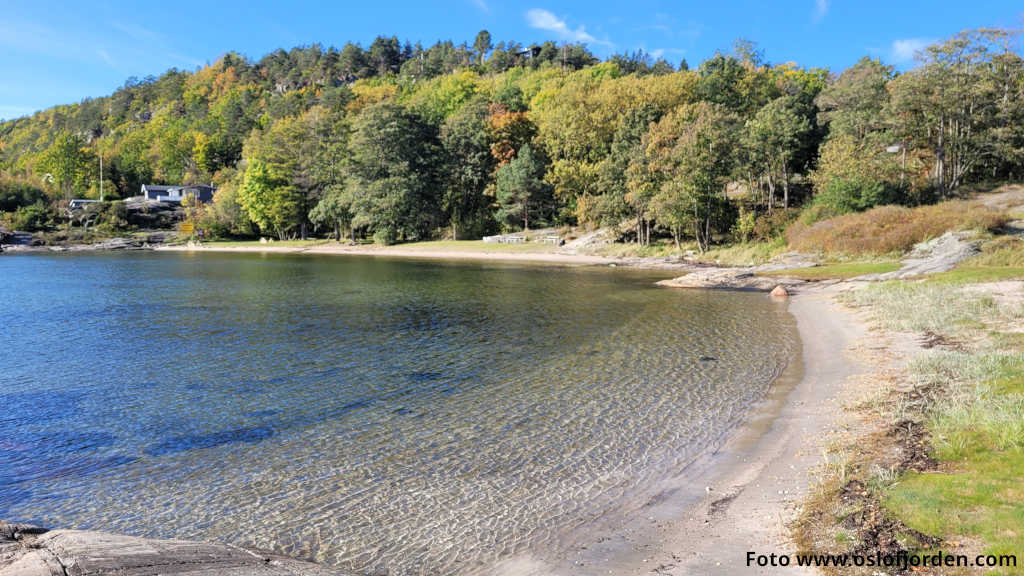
(400, 142)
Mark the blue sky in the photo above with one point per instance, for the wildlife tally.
(56, 53)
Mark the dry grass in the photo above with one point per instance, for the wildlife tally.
(891, 229)
(1003, 251)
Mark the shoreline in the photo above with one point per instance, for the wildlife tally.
(403, 251)
(742, 496)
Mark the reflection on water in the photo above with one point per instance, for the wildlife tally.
(384, 416)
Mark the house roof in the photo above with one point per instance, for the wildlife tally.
(164, 188)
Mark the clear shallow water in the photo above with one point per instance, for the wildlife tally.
(384, 416)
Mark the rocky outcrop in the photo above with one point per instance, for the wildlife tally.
(940, 254)
(732, 278)
(31, 551)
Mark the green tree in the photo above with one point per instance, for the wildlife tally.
(394, 174)
(521, 189)
(471, 164)
(269, 198)
(953, 102)
(334, 209)
(482, 45)
(855, 104)
(66, 163)
(773, 137)
(612, 177)
(692, 150)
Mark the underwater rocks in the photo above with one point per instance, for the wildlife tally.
(31, 551)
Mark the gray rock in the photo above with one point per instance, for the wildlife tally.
(31, 551)
(734, 278)
(940, 254)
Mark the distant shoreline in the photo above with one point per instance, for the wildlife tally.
(678, 266)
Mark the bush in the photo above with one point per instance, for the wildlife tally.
(16, 194)
(890, 229)
(743, 229)
(29, 218)
(112, 217)
(845, 195)
(385, 236)
(770, 226)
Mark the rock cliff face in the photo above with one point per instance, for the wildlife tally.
(31, 551)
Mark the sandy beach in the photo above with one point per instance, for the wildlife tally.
(400, 251)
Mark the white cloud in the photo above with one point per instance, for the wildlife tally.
(482, 5)
(543, 20)
(106, 57)
(136, 32)
(820, 9)
(903, 51)
(658, 53)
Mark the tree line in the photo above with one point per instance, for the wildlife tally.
(401, 143)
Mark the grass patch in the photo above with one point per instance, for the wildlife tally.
(841, 270)
(890, 229)
(922, 306)
(745, 254)
(974, 274)
(981, 499)
(657, 249)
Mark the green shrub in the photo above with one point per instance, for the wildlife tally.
(29, 218)
(385, 236)
(770, 226)
(112, 217)
(845, 195)
(16, 194)
(743, 229)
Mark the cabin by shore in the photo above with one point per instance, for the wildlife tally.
(201, 193)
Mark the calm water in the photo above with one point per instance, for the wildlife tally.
(385, 416)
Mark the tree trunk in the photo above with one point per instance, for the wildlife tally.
(785, 186)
